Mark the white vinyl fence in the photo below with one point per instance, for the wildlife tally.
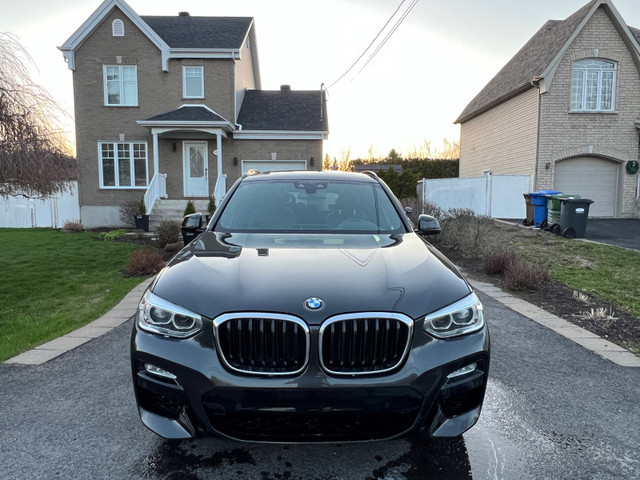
(497, 196)
(20, 212)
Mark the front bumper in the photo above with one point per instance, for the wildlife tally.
(207, 398)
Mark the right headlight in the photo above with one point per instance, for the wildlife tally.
(460, 318)
(159, 316)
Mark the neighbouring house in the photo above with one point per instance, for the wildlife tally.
(171, 108)
(565, 109)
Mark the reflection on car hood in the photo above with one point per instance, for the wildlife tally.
(278, 272)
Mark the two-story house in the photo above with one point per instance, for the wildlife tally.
(171, 108)
(566, 109)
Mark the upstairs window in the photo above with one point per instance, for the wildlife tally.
(193, 82)
(123, 164)
(117, 28)
(593, 84)
(121, 85)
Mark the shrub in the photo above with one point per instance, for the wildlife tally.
(142, 207)
(112, 235)
(128, 212)
(167, 232)
(520, 275)
(211, 207)
(72, 226)
(144, 262)
(466, 232)
(190, 208)
(496, 261)
(432, 209)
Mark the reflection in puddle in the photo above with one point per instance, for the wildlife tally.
(208, 458)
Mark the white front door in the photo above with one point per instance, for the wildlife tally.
(196, 169)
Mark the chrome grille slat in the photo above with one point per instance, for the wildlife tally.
(262, 343)
(365, 343)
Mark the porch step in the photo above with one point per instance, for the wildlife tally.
(165, 209)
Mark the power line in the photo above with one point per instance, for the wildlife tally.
(376, 38)
(395, 27)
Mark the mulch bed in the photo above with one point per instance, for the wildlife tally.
(558, 299)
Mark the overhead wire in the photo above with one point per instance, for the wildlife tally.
(372, 43)
(395, 27)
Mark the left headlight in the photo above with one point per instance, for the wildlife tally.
(159, 316)
(460, 318)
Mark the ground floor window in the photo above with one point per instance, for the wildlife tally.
(123, 164)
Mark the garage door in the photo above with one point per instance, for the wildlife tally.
(271, 166)
(591, 177)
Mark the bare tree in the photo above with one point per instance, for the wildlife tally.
(35, 157)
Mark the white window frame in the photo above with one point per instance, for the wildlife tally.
(583, 68)
(117, 28)
(185, 69)
(116, 166)
(129, 102)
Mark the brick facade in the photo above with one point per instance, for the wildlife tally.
(160, 91)
(612, 136)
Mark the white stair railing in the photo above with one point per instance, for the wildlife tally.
(221, 188)
(157, 189)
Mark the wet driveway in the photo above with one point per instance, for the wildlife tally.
(553, 410)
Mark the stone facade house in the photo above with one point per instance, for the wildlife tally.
(171, 109)
(565, 109)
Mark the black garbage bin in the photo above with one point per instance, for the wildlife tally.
(573, 216)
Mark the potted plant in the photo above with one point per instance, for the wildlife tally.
(142, 219)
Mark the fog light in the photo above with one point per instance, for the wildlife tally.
(463, 371)
(159, 371)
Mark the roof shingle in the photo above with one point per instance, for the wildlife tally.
(200, 32)
(299, 110)
(530, 61)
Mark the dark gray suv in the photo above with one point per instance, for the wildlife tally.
(309, 309)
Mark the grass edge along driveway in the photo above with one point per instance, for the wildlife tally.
(52, 283)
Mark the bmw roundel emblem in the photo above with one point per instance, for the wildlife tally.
(313, 303)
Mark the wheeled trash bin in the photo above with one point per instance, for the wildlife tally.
(553, 207)
(539, 205)
(573, 216)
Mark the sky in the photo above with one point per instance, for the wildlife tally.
(411, 92)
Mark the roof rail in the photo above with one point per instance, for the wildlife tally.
(370, 173)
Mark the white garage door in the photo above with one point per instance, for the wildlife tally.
(271, 166)
(591, 177)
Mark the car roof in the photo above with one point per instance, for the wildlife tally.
(312, 175)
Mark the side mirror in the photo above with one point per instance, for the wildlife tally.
(192, 226)
(428, 225)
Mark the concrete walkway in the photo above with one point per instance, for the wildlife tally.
(127, 307)
(110, 320)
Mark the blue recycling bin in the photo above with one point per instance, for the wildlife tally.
(539, 203)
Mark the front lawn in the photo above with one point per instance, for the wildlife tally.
(54, 282)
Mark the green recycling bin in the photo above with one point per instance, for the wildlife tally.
(554, 206)
(573, 216)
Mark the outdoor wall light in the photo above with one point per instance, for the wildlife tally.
(175, 147)
(547, 165)
(311, 161)
(235, 160)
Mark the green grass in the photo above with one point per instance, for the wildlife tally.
(610, 273)
(54, 282)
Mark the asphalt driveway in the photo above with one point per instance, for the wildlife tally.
(621, 232)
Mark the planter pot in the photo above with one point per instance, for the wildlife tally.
(142, 222)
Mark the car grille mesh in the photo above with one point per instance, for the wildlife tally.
(263, 345)
(364, 345)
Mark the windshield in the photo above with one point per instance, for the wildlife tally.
(310, 206)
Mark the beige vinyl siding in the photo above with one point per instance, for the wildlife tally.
(503, 139)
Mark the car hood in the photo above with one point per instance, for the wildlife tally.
(219, 273)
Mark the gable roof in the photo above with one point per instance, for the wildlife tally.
(201, 32)
(188, 113)
(180, 36)
(284, 110)
(536, 59)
